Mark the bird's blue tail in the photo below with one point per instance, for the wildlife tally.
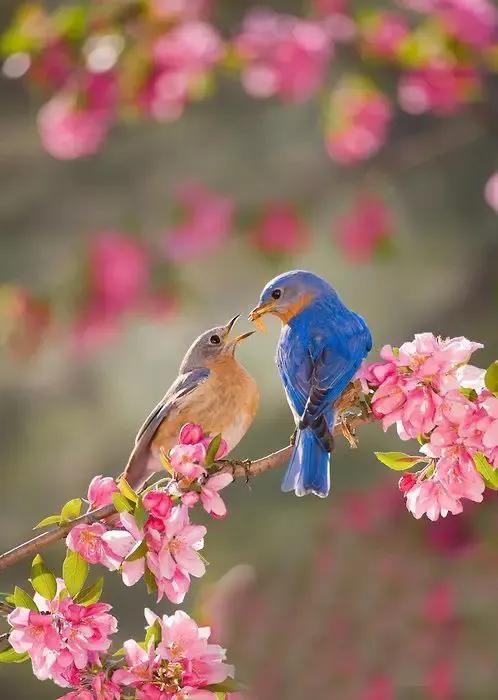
(308, 470)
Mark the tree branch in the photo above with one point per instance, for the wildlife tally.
(239, 469)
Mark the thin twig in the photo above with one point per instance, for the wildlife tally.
(239, 469)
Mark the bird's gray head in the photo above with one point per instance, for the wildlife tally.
(215, 345)
(289, 293)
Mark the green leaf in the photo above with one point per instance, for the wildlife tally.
(398, 461)
(212, 450)
(122, 504)
(9, 656)
(150, 581)
(228, 686)
(138, 552)
(491, 377)
(71, 510)
(470, 394)
(120, 652)
(90, 594)
(154, 632)
(127, 491)
(140, 514)
(23, 599)
(74, 572)
(50, 520)
(42, 579)
(487, 471)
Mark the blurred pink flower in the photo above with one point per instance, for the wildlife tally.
(368, 226)
(439, 605)
(93, 328)
(358, 118)
(180, 9)
(440, 681)
(441, 88)
(473, 22)
(280, 230)
(75, 123)
(119, 271)
(181, 59)
(210, 497)
(282, 55)
(379, 688)
(207, 223)
(383, 33)
(491, 192)
(100, 491)
(53, 66)
(88, 541)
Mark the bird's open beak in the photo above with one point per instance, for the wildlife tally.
(231, 324)
(256, 314)
(242, 337)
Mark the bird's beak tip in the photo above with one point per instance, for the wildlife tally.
(232, 323)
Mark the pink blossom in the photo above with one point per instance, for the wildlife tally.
(122, 543)
(388, 400)
(119, 271)
(180, 546)
(181, 9)
(63, 638)
(100, 491)
(210, 497)
(473, 22)
(191, 434)
(88, 541)
(52, 68)
(432, 499)
(207, 223)
(181, 60)
(491, 191)
(406, 482)
(282, 55)
(362, 232)
(358, 118)
(188, 460)
(98, 687)
(93, 328)
(383, 33)
(418, 416)
(158, 503)
(440, 88)
(68, 130)
(280, 230)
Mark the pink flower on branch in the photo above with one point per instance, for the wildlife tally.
(207, 221)
(367, 230)
(358, 118)
(282, 55)
(100, 491)
(88, 541)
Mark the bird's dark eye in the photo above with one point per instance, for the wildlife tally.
(277, 293)
(215, 340)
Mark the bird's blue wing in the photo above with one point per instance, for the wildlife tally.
(183, 385)
(336, 359)
(295, 365)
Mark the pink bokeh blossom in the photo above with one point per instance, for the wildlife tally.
(280, 230)
(363, 231)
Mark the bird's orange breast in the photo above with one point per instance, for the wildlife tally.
(225, 403)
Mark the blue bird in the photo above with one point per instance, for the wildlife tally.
(321, 347)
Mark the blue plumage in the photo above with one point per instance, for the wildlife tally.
(320, 349)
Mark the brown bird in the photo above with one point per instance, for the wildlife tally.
(212, 390)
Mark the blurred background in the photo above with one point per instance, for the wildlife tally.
(111, 264)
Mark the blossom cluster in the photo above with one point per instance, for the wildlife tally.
(97, 65)
(427, 388)
(67, 643)
(62, 638)
(154, 536)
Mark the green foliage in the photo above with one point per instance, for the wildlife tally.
(127, 491)
(486, 470)
(71, 510)
(150, 581)
(90, 594)
(212, 450)
(74, 572)
(42, 579)
(24, 600)
(122, 504)
(399, 461)
(140, 514)
(9, 656)
(491, 377)
(154, 632)
(49, 520)
(138, 552)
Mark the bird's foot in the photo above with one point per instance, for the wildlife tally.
(235, 464)
(348, 431)
(293, 438)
